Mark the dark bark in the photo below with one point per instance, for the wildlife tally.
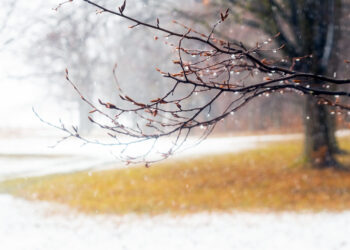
(318, 34)
(319, 141)
(312, 23)
(312, 32)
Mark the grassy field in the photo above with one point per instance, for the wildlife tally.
(266, 179)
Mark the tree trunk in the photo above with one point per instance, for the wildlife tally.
(307, 27)
(318, 32)
(319, 136)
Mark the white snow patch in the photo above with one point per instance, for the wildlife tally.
(40, 225)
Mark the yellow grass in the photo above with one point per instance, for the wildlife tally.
(271, 178)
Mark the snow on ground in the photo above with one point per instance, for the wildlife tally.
(43, 225)
(36, 226)
(32, 156)
(24, 157)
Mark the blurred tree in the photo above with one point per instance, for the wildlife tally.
(69, 39)
(87, 43)
(306, 27)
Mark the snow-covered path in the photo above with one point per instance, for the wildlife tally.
(24, 157)
(40, 226)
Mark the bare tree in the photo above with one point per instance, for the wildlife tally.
(309, 27)
(207, 66)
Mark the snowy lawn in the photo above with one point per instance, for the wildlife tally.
(42, 226)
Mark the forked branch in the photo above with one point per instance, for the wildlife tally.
(207, 66)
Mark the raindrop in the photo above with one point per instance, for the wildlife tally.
(274, 51)
(233, 56)
(307, 117)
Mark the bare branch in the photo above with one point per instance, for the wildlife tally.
(218, 68)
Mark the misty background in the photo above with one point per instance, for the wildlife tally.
(37, 44)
